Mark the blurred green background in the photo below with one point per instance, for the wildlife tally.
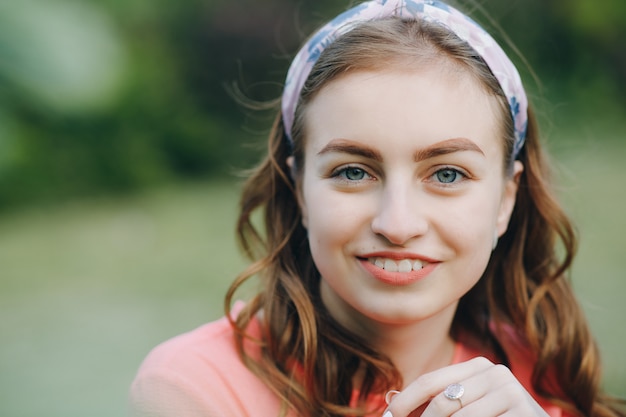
(120, 160)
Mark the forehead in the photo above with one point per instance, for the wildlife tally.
(402, 106)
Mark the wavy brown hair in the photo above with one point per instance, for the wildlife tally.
(307, 358)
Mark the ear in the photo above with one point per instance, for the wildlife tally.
(291, 163)
(508, 198)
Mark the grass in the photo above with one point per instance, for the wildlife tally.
(595, 178)
(87, 288)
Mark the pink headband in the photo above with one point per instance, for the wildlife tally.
(433, 11)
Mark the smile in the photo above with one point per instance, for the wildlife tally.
(393, 265)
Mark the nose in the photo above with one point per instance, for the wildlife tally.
(400, 216)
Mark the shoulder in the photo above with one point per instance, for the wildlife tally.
(199, 373)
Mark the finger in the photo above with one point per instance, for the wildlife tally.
(468, 391)
(507, 399)
(434, 383)
(444, 404)
(493, 392)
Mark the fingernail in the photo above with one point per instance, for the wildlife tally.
(387, 414)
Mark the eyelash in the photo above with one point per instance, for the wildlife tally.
(341, 173)
(460, 175)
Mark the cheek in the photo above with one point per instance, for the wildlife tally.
(469, 222)
(334, 218)
(467, 238)
(330, 235)
(330, 220)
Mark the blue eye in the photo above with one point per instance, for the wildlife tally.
(448, 175)
(353, 173)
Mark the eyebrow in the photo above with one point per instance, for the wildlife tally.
(444, 147)
(352, 148)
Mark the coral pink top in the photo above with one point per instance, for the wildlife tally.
(199, 374)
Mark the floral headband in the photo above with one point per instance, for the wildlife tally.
(429, 10)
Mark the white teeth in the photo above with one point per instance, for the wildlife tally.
(391, 266)
(405, 265)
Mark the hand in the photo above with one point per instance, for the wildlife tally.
(489, 390)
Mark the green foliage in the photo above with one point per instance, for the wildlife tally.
(59, 54)
(600, 20)
(69, 131)
(114, 96)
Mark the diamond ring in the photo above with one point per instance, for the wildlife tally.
(454, 392)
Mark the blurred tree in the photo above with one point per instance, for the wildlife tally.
(599, 31)
(61, 55)
(114, 95)
(55, 57)
(576, 46)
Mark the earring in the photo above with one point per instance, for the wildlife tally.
(495, 240)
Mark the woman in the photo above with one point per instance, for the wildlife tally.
(407, 259)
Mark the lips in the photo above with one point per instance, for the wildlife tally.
(392, 265)
(397, 269)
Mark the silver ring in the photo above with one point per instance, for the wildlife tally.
(389, 395)
(454, 392)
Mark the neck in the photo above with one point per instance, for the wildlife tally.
(417, 348)
(414, 347)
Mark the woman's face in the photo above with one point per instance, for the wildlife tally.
(403, 192)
